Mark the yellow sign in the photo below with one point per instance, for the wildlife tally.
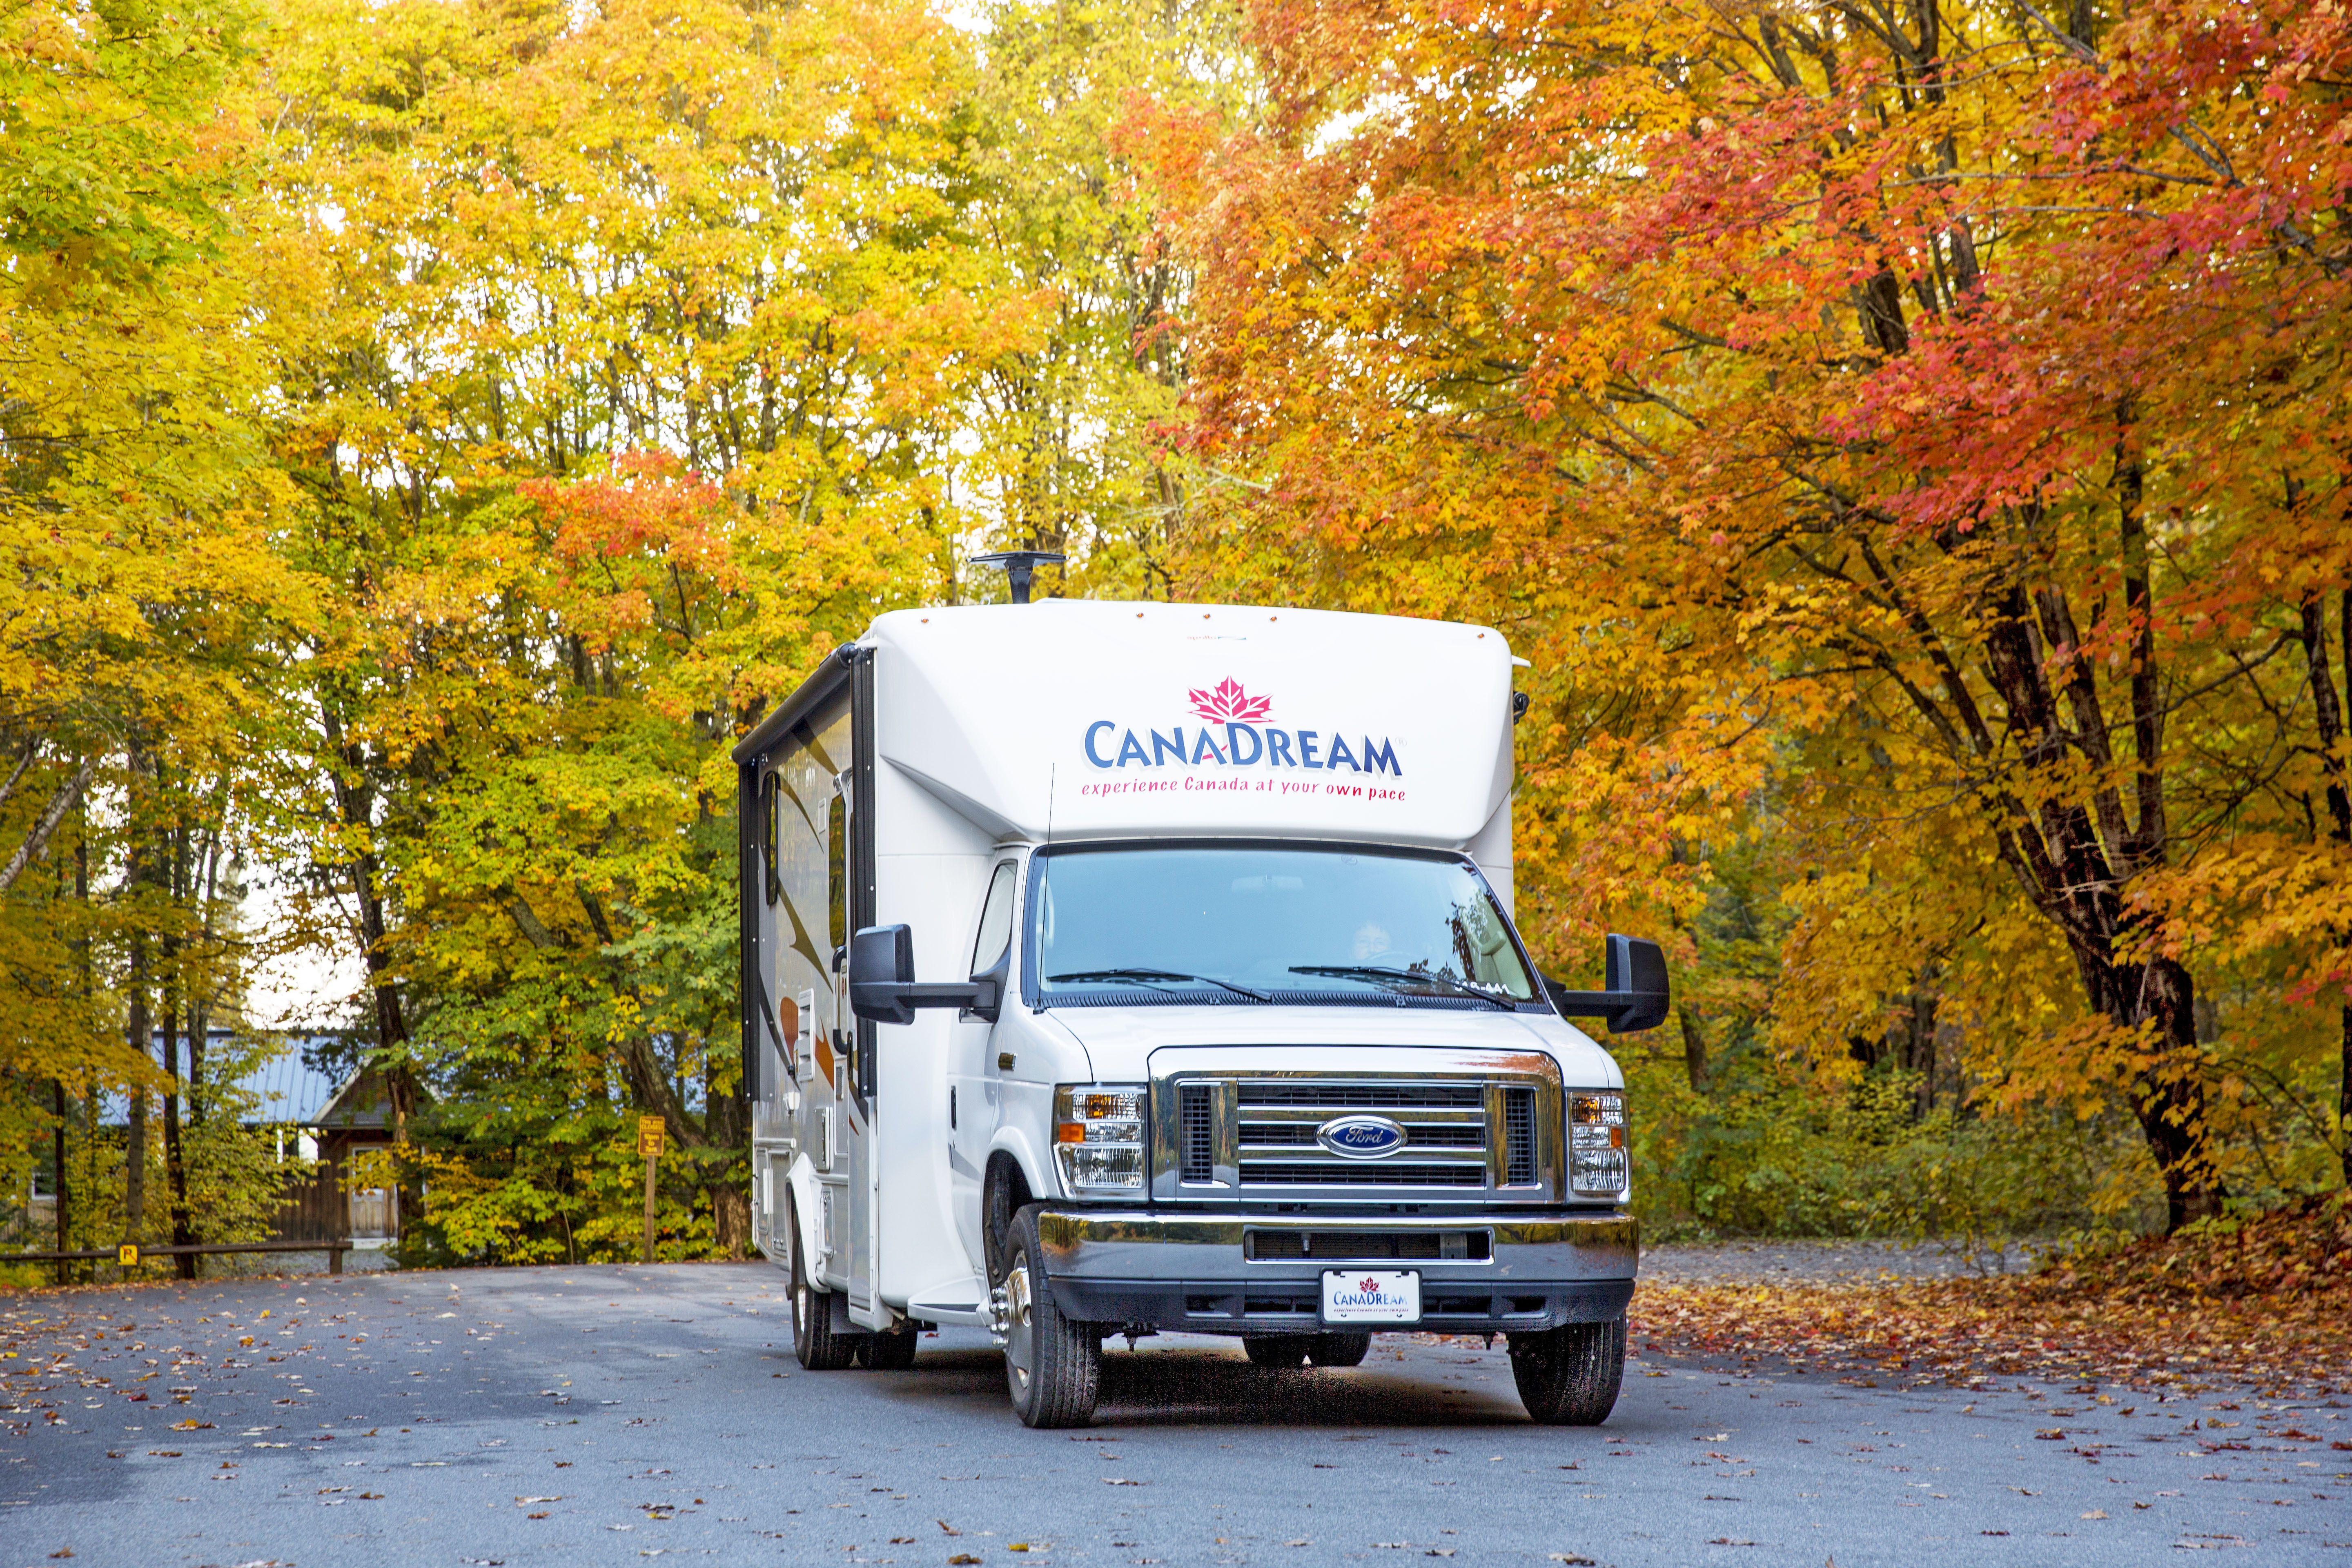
(649, 1137)
(127, 1255)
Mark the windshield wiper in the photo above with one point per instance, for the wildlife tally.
(1149, 976)
(1381, 973)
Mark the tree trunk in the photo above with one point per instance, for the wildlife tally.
(135, 1145)
(2328, 717)
(200, 1012)
(67, 798)
(175, 1166)
(58, 1185)
(174, 952)
(1693, 1049)
(730, 1215)
(728, 1120)
(87, 977)
(140, 1029)
(355, 806)
(1919, 1049)
(2168, 1096)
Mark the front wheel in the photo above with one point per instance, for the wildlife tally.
(1569, 1376)
(1053, 1366)
(813, 1340)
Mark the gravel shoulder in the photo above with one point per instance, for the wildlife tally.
(1828, 1262)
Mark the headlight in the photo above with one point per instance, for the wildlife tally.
(1598, 1163)
(1098, 1137)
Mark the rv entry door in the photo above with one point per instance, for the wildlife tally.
(854, 1040)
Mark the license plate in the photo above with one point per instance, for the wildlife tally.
(1371, 1295)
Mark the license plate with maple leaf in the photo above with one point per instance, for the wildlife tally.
(1358, 1295)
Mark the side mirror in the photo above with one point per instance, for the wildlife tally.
(881, 960)
(882, 979)
(1638, 996)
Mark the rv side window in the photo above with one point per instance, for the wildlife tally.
(770, 799)
(995, 922)
(836, 870)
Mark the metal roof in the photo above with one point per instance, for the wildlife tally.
(289, 1090)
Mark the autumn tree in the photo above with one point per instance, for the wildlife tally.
(140, 593)
(1936, 408)
(1066, 426)
(623, 362)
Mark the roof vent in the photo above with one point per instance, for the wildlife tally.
(1018, 565)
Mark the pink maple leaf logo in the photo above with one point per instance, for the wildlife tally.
(1228, 703)
(1368, 1285)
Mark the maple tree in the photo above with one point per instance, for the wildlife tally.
(1929, 414)
(140, 594)
(1063, 425)
(657, 408)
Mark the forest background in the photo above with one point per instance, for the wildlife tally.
(1908, 437)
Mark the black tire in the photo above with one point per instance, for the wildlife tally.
(1053, 1366)
(889, 1352)
(1278, 1353)
(1569, 1376)
(813, 1340)
(1000, 1202)
(1339, 1350)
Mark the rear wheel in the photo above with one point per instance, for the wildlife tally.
(813, 1340)
(1279, 1352)
(1569, 1376)
(1053, 1366)
(889, 1352)
(1339, 1350)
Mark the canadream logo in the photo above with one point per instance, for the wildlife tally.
(1235, 732)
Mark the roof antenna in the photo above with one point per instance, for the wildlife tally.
(1018, 564)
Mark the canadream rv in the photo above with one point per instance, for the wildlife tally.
(1118, 968)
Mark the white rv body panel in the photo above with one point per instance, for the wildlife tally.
(1073, 720)
(1120, 1040)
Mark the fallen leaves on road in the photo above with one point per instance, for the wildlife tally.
(2260, 1301)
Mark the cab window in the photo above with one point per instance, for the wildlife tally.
(995, 922)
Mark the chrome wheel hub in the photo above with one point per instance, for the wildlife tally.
(1020, 1341)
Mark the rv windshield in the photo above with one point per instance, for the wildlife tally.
(1251, 926)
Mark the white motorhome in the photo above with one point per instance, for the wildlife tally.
(1119, 968)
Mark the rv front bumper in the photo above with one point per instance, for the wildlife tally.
(1234, 1274)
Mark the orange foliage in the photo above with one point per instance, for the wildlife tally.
(1922, 426)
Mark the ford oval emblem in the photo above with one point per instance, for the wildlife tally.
(1361, 1137)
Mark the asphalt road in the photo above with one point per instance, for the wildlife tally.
(606, 1415)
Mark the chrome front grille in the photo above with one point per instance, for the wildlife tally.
(1358, 1173)
(1483, 1127)
(1339, 1096)
(1445, 1133)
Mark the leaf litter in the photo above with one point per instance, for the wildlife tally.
(2259, 1301)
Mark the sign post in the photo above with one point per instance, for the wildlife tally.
(649, 1150)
